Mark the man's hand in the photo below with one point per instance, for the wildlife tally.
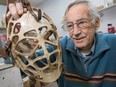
(15, 9)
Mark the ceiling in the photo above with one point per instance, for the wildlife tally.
(34, 3)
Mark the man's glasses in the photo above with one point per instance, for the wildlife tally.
(81, 23)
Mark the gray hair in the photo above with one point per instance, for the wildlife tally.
(92, 9)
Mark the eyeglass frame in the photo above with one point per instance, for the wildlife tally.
(65, 28)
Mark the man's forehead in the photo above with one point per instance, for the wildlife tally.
(78, 20)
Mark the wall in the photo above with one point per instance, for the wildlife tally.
(108, 15)
(55, 9)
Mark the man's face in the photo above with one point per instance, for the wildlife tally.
(81, 29)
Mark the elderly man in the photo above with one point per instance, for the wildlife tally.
(89, 58)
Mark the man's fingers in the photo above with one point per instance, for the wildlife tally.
(25, 10)
(8, 15)
(13, 11)
(19, 8)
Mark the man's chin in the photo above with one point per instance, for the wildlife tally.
(80, 46)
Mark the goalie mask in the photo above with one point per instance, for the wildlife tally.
(35, 46)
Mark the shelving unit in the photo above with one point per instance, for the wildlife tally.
(107, 17)
(114, 5)
(2, 30)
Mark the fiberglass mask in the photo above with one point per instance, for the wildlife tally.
(35, 46)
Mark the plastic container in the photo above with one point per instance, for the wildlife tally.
(111, 29)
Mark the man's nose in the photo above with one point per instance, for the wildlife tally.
(76, 29)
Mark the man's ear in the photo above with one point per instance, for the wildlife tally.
(97, 23)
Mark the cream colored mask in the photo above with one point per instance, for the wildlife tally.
(35, 46)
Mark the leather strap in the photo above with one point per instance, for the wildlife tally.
(28, 6)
